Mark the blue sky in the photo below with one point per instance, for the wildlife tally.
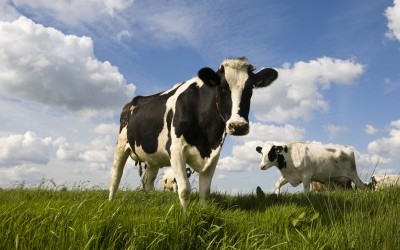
(67, 68)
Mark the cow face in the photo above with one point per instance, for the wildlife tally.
(235, 81)
(272, 155)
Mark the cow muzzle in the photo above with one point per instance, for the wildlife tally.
(263, 167)
(237, 128)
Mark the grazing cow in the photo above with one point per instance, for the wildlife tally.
(188, 124)
(332, 185)
(303, 162)
(380, 181)
(169, 181)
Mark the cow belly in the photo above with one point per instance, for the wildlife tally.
(158, 159)
(293, 178)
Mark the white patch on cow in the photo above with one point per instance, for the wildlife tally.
(236, 74)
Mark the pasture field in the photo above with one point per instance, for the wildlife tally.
(84, 219)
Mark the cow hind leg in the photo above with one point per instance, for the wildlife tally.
(149, 177)
(121, 154)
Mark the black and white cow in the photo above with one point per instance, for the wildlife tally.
(188, 124)
(304, 162)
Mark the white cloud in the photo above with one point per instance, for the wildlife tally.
(74, 12)
(20, 174)
(393, 15)
(17, 149)
(260, 131)
(387, 146)
(244, 157)
(390, 85)
(335, 130)
(124, 35)
(370, 130)
(98, 153)
(297, 93)
(44, 65)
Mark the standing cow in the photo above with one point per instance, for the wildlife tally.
(380, 181)
(304, 162)
(188, 124)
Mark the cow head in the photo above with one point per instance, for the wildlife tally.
(272, 155)
(235, 81)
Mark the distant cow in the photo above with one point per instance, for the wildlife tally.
(380, 181)
(188, 125)
(303, 162)
(169, 180)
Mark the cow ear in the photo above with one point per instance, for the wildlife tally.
(265, 77)
(209, 76)
(258, 149)
(285, 149)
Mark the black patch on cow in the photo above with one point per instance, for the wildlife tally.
(244, 106)
(169, 122)
(272, 154)
(198, 120)
(259, 149)
(147, 120)
(332, 150)
(224, 100)
(281, 162)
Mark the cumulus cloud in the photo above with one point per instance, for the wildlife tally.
(21, 173)
(44, 65)
(244, 157)
(261, 131)
(387, 146)
(370, 130)
(393, 15)
(97, 154)
(297, 93)
(18, 149)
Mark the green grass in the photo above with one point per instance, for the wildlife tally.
(46, 219)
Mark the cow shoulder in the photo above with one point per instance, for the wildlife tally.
(299, 154)
(197, 119)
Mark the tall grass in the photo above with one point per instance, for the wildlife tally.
(51, 219)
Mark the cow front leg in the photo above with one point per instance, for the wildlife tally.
(121, 154)
(149, 177)
(282, 181)
(178, 164)
(205, 179)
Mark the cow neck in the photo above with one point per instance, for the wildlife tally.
(217, 104)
